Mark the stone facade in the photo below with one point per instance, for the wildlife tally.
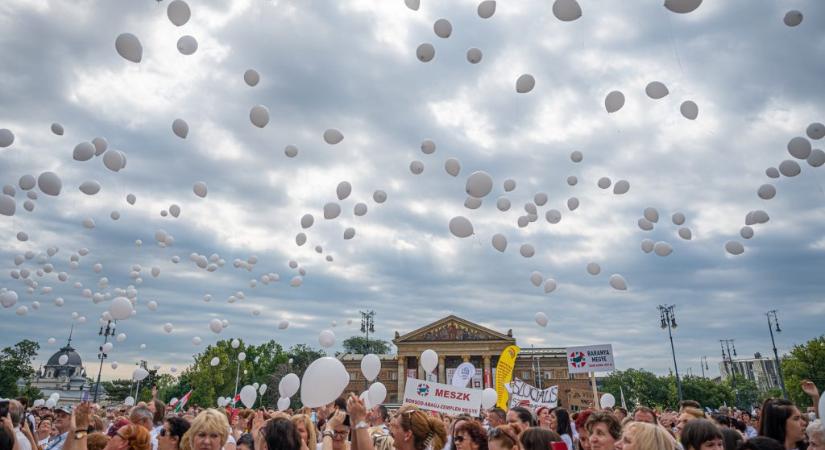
(457, 340)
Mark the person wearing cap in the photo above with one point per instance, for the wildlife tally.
(62, 422)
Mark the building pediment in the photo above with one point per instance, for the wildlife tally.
(453, 328)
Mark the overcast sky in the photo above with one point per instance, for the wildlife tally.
(351, 65)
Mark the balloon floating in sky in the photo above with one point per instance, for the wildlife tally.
(734, 247)
(180, 128)
(682, 6)
(57, 129)
(474, 55)
(425, 52)
(618, 282)
(689, 110)
(815, 131)
(178, 12)
(379, 196)
(576, 156)
(792, 18)
(799, 147)
(479, 184)
(413, 4)
(525, 83)
(662, 248)
(527, 250)
(83, 151)
(499, 242)
(486, 9)
(200, 189)
(187, 45)
(128, 46)
(621, 187)
(567, 10)
(461, 227)
(656, 90)
(343, 190)
(49, 183)
(541, 319)
(251, 77)
(452, 166)
(333, 136)
(259, 116)
(443, 28)
(614, 101)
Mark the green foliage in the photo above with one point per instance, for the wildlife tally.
(117, 390)
(640, 388)
(805, 362)
(360, 345)
(707, 392)
(746, 394)
(16, 363)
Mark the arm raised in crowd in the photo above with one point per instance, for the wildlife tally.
(361, 439)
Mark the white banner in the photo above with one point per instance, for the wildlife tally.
(590, 358)
(462, 375)
(523, 394)
(442, 397)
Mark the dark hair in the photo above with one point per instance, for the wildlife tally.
(6, 439)
(524, 415)
(607, 418)
(281, 434)
(562, 421)
(645, 409)
(775, 413)
(619, 408)
(247, 440)
(385, 414)
(476, 432)
(160, 412)
(761, 443)
(502, 415)
(731, 438)
(698, 431)
(691, 403)
(721, 419)
(581, 418)
(177, 428)
(738, 424)
(506, 434)
(538, 438)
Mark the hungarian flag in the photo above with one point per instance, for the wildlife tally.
(182, 402)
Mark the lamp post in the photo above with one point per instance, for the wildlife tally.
(137, 388)
(109, 330)
(772, 315)
(730, 366)
(703, 364)
(668, 320)
(367, 325)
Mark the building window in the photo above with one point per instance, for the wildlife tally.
(548, 374)
(525, 375)
(393, 375)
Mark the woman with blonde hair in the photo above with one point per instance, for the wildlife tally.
(645, 436)
(413, 429)
(306, 429)
(209, 431)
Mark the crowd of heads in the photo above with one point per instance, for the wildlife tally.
(347, 424)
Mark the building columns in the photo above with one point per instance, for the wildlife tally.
(487, 370)
(402, 377)
(442, 370)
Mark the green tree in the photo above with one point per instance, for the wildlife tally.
(707, 392)
(16, 363)
(360, 345)
(117, 390)
(746, 394)
(805, 362)
(640, 387)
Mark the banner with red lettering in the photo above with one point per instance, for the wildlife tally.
(442, 397)
(590, 358)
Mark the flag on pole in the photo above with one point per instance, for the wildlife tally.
(621, 392)
(182, 402)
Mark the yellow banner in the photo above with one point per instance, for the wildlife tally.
(504, 374)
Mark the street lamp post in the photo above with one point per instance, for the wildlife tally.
(109, 330)
(668, 320)
(703, 364)
(367, 327)
(772, 315)
(730, 366)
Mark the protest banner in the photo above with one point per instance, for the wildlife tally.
(590, 358)
(442, 398)
(523, 394)
(504, 373)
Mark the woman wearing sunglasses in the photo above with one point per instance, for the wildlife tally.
(171, 433)
(469, 435)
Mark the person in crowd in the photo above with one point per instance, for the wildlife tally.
(816, 435)
(583, 441)
(469, 435)
(620, 413)
(761, 443)
(603, 429)
(645, 436)
(689, 404)
(688, 413)
(141, 415)
(61, 423)
(335, 433)
(96, 441)
(412, 429)
(22, 433)
(747, 419)
(246, 442)
(378, 418)
(209, 431)
(731, 438)
(543, 418)
(521, 416)
(158, 410)
(562, 420)
(503, 437)
(536, 438)
(306, 429)
(782, 421)
(280, 434)
(116, 425)
(171, 433)
(8, 441)
(644, 414)
(44, 432)
(130, 437)
(496, 416)
(701, 434)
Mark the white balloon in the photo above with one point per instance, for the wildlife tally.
(509, 185)
(647, 245)
(167, 327)
(131, 199)
(486, 9)
(689, 110)
(734, 247)
(604, 182)
(187, 45)
(607, 401)
(129, 401)
(614, 101)
(429, 360)
(83, 151)
(332, 210)
(593, 268)
(617, 282)
(474, 55)
(662, 248)
(452, 166)
(333, 136)
(489, 397)
(678, 218)
(553, 216)
(541, 319)
(621, 187)
(113, 160)
(472, 203)
(746, 232)
(101, 145)
(443, 28)
(262, 388)
(360, 209)
(324, 381)
(248, 395)
(63, 359)
(88, 223)
(215, 326)
(49, 183)
(656, 90)
(377, 393)
(291, 151)
(651, 214)
(174, 210)
(816, 158)
(343, 190)
(349, 233)
(685, 233)
(479, 184)
(326, 338)
(499, 242)
(799, 147)
(789, 168)
(259, 116)
(549, 285)
(7, 205)
(180, 128)
(416, 167)
(27, 182)
(370, 366)
(379, 196)
(413, 4)
(527, 250)
(425, 52)
(289, 385)
(57, 129)
(128, 46)
(525, 83)
(120, 308)
(461, 227)
(766, 191)
(567, 10)
(107, 347)
(283, 403)
(196, 340)
(178, 12)
(90, 187)
(792, 18)
(503, 204)
(139, 374)
(215, 361)
(251, 77)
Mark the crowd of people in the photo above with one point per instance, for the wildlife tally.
(347, 424)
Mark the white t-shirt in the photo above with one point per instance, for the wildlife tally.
(22, 440)
(567, 441)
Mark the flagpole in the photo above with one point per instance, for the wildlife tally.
(595, 392)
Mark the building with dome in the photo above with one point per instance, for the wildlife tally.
(65, 375)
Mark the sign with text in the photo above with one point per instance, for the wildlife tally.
(590, 358)
(523, 394)
(442, 397)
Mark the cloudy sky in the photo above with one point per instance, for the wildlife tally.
(352, 66)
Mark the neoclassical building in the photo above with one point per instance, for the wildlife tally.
(68, 379)
(457, 340)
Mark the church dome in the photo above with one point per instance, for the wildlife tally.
(74, 359)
